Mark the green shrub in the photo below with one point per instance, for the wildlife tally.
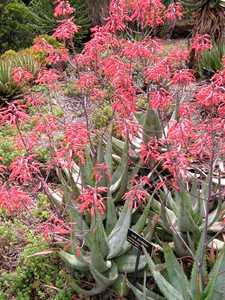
(44, 9)
(36, 277)
(211, 60)
(102, 115)
(8, 88)
(19, 25)
(8, 151)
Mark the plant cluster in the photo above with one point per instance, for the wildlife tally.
(157, 169)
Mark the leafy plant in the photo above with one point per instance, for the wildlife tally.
(187, 289)
(208, 18)
(35, 276)
(8, 88)
(211, 61)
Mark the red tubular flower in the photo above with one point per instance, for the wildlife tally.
(87, 82)
(63, 9)
(174, 11)
(14, 113)
(47, 76)
(35, 99)
(175, 162)
(66, 30)
(158, 72)
(46, 124)
(209, 96)
(53, 226)
(77, 138)
(20, 75)
(160, 99)
(150, 153)
(134, 50)
(91, 200)
(219, 78)
(13, 200)
(31, 140)
(183, 77)
(24, 169)
(201, 43)
(101, 171)
(136, 196)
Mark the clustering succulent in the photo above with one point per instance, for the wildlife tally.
(175, 284)
(8, 87)
(209, 17)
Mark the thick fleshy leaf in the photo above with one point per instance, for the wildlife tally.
(120, 286)
(195, 282)
(94, 291)
(140, 294)
(176, 274)
(106, 279)
(108, 151)
(86, 170)
(186, 222)
(111, 215)
(118, 236)
(139, 226)
(152, 126)
(99, 246)
(166, 288)
(126, 263)
(216, 288)
(120, 176)
(73, 261)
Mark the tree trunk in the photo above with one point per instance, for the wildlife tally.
(98, 10)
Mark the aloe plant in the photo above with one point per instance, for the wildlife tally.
(182, 215)
(209, 17)
(176, 285)
(105, 252)
(8, 87)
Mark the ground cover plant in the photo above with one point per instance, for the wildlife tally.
(143, 153)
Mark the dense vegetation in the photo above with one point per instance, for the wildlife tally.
(108, 130)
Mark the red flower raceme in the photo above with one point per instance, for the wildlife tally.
(20, 75)
(150, 153)
(48, 77)
(201, 43)
(176, 162)
(183, 77)
(160, 99)
(29, 139)
(13, 200)
(63, 9)
(91, 200)
(208, 96)
(58, 55)
(101, 171)
(66, 30)
(24, 169)
(52, 55)
(14, 113)
(46, 124)
(135, 50)
(146, 12)
(136, 196)
(219, 78)
(157, 73)
(35, 99)
(174, 11)
(77, 138)
(52, 227)
(86, 82)
(176, 57)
